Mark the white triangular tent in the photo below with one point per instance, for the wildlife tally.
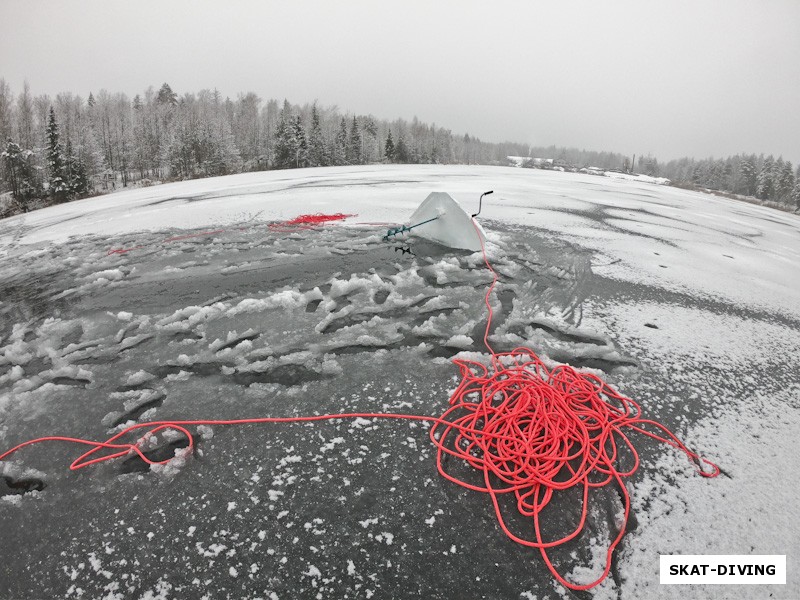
(447, 223)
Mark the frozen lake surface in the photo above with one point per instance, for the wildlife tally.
(687, 303)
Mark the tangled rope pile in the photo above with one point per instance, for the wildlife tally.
(527, 429)
(532, 432)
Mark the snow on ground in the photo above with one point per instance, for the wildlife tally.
(733, 393)
(686, 302)
(687, 240)
(637, 177)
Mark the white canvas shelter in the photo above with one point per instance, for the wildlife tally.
(452, 225)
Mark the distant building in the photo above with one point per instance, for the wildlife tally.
(529, 162)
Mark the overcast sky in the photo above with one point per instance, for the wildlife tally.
(671, 78)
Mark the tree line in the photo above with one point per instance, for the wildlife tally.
(53, 150)
(765, 178)
(63, 148)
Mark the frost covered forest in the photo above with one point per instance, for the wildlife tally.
(766, 178)
(59, 149)
(68, 147)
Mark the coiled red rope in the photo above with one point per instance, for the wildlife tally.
(529, 430)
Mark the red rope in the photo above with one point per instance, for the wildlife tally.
(306, 222)
(529, 430)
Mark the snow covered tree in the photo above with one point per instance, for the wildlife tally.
(224, 157)
(777, 169)
(401, 153)
(158, 134)
(141, 156)
(178, 155)
(700, 173)
(201, 142)
(796, 193)
(77, 179)
(765, 186)
(369, 140)
(354, 144)
(6, 131)
(58, 185)
(269, 124)
(18, 163)
(167, 96)
(339, 154)
(246, 128)
(316, 145)
(92, 155)
(291, 146)
(785, 182)
(12, 162)
(435, 154)
(25, 124)
(389, 147)
(121, 131)
(6, 110)
(649, 165)
(285, 142)
(300, 146)
(748, 176)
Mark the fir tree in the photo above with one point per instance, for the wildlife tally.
(30, 186)
(93, 158)
(785, 182)
(777, 169)
(300, 146)
(79, 182)
(90, 101)
(223, 155)
(340, 145)
(285, 145)
(316, 145)
(401, 153)
(434, 155)
(354, 144)
(369, 138)
(58, 185)
(747, 170)
(389, 147)
(765, 188)
(796, 193)
(167, 96)
(700, 173)
(77, 179)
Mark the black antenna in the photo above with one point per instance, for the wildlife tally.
(480, 202)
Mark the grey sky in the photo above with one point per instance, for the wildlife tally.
(673, 78)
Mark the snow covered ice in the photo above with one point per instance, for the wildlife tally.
(687, 303)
